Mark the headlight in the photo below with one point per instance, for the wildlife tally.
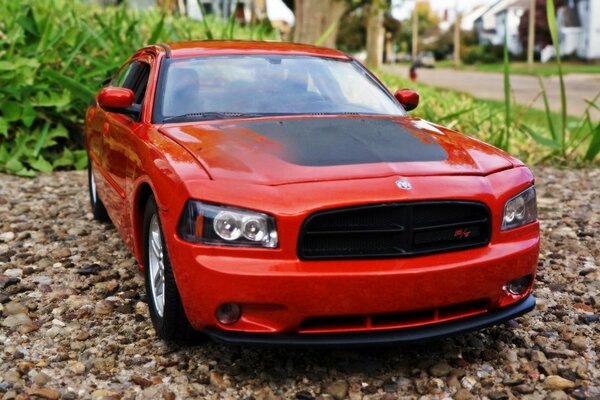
(223, 225)
(520, 210)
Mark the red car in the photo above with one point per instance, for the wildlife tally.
(278, 193)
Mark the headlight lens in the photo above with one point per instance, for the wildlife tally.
(223, 225)
(520, 210)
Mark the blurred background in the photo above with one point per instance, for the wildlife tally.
(521, 74)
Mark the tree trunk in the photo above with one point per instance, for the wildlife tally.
(167, 6)
(457, 23)
(315, 17)
(531, 34)
(375, 35)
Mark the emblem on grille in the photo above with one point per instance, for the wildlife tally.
(462, 233)
(403, 184)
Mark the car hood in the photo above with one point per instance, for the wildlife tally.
(276, 151)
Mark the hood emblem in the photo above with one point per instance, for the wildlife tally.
(403, 184)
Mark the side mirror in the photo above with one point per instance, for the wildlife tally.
(408, 98)
(119, 100)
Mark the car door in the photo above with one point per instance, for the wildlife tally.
(118, 149)
(98, 126)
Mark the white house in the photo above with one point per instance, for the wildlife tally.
(467, 20)
(569, 29)
(502, 17)
(589, 17)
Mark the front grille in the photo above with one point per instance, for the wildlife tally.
(394, 230)
(393, 320)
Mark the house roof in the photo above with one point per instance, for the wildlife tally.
(489, 16)
(469, 18)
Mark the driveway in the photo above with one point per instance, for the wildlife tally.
(74, 322)
(525, 88)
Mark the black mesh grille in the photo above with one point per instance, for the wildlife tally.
(394, 230)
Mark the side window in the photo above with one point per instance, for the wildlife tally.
(140, 82)
(134, 76)
(124, 75)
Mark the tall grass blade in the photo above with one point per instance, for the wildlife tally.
(550, 11)
(76, 88)
(594, 147)
(551, 125)
(456, 114)
(326, 34)
(504, 142)
(157, 30)
(539, 138)
(74, 52)
(207, 30)
(41, 139)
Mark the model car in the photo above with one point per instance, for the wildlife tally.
(278, 193)
(425, 59)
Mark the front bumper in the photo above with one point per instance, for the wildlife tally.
(280, 296)
(378, 338)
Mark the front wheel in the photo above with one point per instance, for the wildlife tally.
(96, 204)
(164, 303)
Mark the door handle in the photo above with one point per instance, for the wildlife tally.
(105, 129)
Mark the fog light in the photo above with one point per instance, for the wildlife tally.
(228, 313)
(518, 286)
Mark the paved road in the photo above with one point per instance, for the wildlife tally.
(525, 89)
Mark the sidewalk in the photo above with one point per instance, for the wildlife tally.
(525, 89)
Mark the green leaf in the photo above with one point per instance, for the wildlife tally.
(27, 22)
(66, 160)
(3, 127)
(13, 165)
(7, 66)
(3, 155)
(29, 115)
(540, 139)
(76, 88)
(11, 111)
(40, 164)
(52, 99)
(81, 159)
(594, 147)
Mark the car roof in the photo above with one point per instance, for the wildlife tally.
(230, 47)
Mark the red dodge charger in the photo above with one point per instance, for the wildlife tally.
(278, 193)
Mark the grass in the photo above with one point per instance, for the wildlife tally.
(482, 119)
(521, 68)
(535, 137)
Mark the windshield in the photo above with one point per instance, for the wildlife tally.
(257, 85)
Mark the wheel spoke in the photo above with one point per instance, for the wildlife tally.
(155, 246)
(156, 272)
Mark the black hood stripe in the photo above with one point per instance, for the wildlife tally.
(343, 141)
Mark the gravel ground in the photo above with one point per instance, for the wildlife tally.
(74, 324)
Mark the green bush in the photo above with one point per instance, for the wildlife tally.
(485, 54)
(53, 56)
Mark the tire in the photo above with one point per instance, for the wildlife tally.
(166, 311)
(98, 209)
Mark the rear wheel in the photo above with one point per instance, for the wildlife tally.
(98, 208)
(164, 303)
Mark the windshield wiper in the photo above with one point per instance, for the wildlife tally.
(211, 115)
